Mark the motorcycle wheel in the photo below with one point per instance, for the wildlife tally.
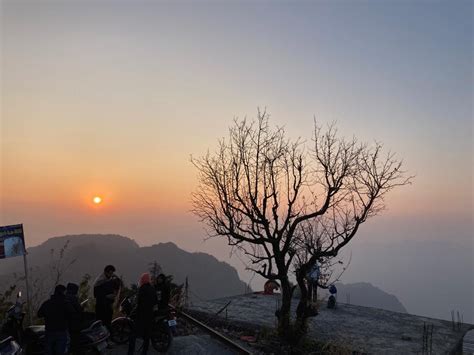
(161, 338)
(120, 330)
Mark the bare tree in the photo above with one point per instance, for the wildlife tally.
(359, 177)
(286, 206)
(40, 285)
(58, 264)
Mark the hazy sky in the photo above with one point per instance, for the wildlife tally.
(111, 98)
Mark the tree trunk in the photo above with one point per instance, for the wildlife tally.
(284, 328)
(302, 312)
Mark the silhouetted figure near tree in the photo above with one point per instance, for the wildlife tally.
(57, 314)
(333, 297)
(146, 301)
(105, 290)
(270, 287)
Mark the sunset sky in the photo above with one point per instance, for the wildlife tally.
(111, 98)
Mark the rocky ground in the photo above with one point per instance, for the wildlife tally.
(198, 344)
(348, 327)
(249, 321)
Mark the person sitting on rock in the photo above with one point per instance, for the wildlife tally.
(270, 287)
(333, 297)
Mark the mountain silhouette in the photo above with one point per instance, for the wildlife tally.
(208, 277)
(88, 254)
(366, 294)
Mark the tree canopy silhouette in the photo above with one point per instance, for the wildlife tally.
(286, 204)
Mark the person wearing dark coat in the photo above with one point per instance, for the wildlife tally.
(57, 314)
(105, 290)
(163, 291)
(72, 298)
(146, 301)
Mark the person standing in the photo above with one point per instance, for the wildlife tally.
(333, 297)
(105, 290)
(163, 292)
(72, 298)
(57, 313)
(146, 301)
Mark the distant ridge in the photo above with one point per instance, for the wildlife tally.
(367, 295)
(363, 294)
(208, 277)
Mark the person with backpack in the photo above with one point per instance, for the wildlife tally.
(57, 315)
(146, 301)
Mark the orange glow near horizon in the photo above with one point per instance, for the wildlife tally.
(97, 200)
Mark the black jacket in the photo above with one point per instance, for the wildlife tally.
(146, 301)
(163, 291)
(57, 313)
(103, 289)
(75, 321)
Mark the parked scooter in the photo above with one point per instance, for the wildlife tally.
(162, 329)
(9, 346)
(92, 338)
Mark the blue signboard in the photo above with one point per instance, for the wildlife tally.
(12, 241)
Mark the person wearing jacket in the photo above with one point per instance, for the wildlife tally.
(72, 298)
(105, 290)
(146, 301)
(163, 291)
(57, 314)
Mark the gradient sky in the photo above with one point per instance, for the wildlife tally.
(111, 98)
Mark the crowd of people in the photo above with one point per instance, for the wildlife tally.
(63, 313)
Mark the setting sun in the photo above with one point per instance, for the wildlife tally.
(97, 200)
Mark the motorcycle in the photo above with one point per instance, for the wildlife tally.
(92, 338)
(163, 326)
(9, 346)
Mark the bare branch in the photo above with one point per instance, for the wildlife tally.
(283, 205)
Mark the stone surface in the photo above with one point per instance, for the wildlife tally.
(200, 344)
(468, 343)
(362, 329)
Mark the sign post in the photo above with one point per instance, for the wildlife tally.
(12, 243)
(27, 289)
